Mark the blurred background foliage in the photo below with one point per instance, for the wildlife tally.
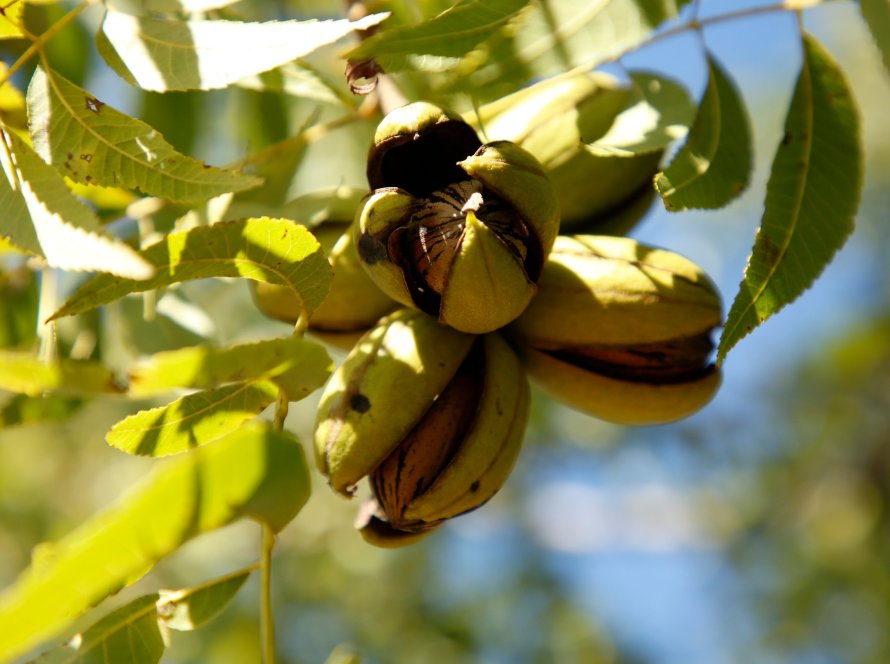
(756, 531)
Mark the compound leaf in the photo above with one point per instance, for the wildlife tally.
(811, 197)
(275, 251)
(256, 472)
(93, 143)
(714, 165)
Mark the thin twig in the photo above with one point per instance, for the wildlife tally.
(40, 41)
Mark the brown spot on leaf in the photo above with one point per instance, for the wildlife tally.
(87, 157)
(94, 104)
(786, 139)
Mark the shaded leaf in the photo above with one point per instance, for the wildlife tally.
(658, 112)
(275, 251)
(94, 143)
(129, 634)
(22, 410)
(256, 472)
(453, 33)
(877, 16)
(169, 54)
(203, 366)
(191, 421)
(298, 79)
(714, 166)
(811, 197)
(42, 217)
(19, 301)
(25, 373)
(188, 609)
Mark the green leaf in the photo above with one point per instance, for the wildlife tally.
(553, 36)
(191, 421)
(22, 410)
(129, 634)
(256, 472)
(274, 251)
(811, 197)
(168, 54)
(93, 143)
(658, 112)
(298, 79)
(42, 217)
(188, 609)
(453, 33)
(877, 16)
(19, 297)
(203, 366)
(714, 166)
(25, 373)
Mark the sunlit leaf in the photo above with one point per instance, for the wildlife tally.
(203, 366)
(11, 20)
(256, 472)
(275, 251)
(191, 421)
(658, 112)
(553, 36)
(169, 54)
(25, 373)
(93, 143)
(714, 166)
(453, 33)
(811, 197)
(129, 634)
(42, 217)
(877, 16)
(188, 609)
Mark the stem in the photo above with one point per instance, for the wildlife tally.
(267, 626)
(40, 41)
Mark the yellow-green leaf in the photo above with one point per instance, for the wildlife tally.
(25, 373)
(714, 165)
(130, 634)
(453, 33)
(42, 217)
(168, 54)
(658, 112)
(274, 251)
(204, 366)
(93, 143)
(188, 609)
(256, 472)
(191, 421)
(811, 197)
